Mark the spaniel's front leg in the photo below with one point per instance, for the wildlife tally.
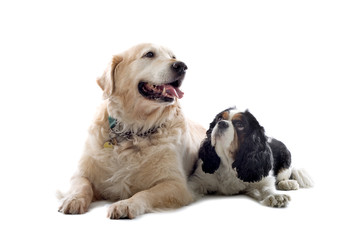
(265, 192)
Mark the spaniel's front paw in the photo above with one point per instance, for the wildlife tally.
(276, 200)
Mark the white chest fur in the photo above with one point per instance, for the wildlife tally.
(227, 180)
(223, 181)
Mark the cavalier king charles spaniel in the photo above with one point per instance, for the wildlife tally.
(237, 157)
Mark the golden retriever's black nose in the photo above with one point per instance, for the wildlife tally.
(179, 67)
(223, 125)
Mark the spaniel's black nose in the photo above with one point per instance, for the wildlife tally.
(223, 125)
(179, 67)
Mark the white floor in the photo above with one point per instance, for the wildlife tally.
(312, 213)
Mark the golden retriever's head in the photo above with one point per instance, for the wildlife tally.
(143, 79)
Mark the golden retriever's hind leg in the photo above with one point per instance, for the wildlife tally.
(165, 195)
(79, 197)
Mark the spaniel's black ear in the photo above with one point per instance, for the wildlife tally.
(253, 161)
(208, 155)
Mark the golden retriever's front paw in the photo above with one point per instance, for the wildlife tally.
(74, 205)
(125, 209)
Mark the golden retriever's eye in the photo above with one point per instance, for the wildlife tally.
(149, 55)
(173, 57)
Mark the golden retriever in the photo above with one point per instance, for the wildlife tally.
(140, 147)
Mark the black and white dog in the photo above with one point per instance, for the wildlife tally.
(237, 157)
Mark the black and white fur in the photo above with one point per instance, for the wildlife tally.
(237, 157)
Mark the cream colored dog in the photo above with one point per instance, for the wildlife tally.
(140, 147)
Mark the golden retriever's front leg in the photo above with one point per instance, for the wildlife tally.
(164, 195)
(79, 197)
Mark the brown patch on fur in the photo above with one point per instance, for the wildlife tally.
(237, 116)
(234, 145)
(238, 136)
(225, 115)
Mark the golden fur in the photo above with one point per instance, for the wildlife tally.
(142, 173)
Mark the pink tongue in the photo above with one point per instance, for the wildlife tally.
(176, 92)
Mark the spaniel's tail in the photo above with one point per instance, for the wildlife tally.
(302, 177)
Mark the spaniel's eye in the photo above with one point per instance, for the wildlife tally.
(239, 124)
(219, 118)
(149, 55)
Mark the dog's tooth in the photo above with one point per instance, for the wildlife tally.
(163, 91)
(153, 88)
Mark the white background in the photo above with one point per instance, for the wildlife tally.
(294, 64)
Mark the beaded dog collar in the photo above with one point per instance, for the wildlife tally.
(117, 135)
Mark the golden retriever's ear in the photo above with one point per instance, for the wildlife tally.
(106, 81)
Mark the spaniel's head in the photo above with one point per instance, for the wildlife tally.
(237, 138)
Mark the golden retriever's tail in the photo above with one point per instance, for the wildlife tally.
(302, 177)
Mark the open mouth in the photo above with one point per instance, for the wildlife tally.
(166, 92)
